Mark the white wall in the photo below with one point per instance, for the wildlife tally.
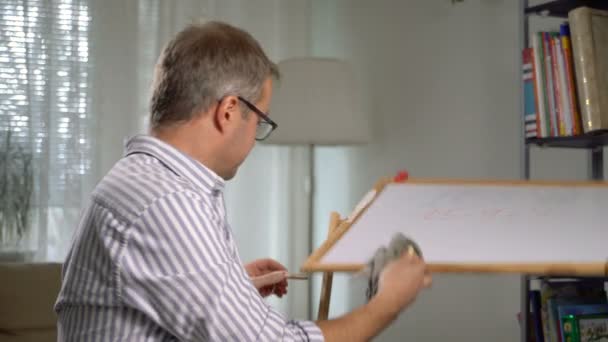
(442, 85)
(114, 54)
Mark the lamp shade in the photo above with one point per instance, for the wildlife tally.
(317, 102)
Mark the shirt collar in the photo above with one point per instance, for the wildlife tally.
(178, 162)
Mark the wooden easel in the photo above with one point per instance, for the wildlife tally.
(334, 222)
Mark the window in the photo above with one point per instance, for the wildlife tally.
(44, 98)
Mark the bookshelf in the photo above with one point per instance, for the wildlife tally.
(593, 142)
(560, 8)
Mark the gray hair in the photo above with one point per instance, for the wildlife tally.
(202, 64)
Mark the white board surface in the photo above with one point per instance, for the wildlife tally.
(456, 223)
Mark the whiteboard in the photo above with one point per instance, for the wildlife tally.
(485, 223)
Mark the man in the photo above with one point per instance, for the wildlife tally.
(153, 258)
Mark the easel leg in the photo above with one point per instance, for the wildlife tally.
(334, 222)
(325, 296)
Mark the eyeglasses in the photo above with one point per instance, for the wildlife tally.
(265, 125)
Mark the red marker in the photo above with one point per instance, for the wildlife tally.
(401, 177)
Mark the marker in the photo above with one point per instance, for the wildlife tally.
(275, 277)
(298, 276)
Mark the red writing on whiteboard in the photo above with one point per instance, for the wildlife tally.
(444, 214)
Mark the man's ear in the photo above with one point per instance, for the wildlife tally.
(226, 112)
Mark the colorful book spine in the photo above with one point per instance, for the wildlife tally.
(560, 128)
(562, 90)
(570, 79)
(535, 304)
(549, 82)
(570, 329)
(542, 121)
(530, 105)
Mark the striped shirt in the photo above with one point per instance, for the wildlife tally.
(154, 259)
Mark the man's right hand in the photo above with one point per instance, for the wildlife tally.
(401, 281)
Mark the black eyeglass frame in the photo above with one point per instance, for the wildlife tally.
(262, 115)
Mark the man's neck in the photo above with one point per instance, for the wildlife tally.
(184, 139)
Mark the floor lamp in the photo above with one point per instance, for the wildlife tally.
(317, 102)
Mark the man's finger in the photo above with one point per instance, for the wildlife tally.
(269, 279)
(428, 281)
(275, 265)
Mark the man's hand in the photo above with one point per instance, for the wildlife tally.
(401, 281)
(262, 267)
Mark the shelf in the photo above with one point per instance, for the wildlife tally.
(560, 8)
(566, 277)
(592, 140)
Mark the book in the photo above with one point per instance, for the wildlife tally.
(560, 122)
(542, 120)
(564, 31)
(530, 103)
(536, 315)
(562, 89)
(566, 291)
(584, 322)
(550, 86)
(589, 34)
(593, 328)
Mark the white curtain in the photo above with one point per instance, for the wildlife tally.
(45, 104)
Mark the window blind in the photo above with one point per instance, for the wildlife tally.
(44, 92)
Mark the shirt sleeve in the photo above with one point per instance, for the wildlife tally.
(179, 269)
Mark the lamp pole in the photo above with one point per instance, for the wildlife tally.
(311, 220)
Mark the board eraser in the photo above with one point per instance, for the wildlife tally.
(398, 245)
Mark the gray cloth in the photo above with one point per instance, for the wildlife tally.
(399, 244)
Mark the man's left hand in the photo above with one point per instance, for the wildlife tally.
(261, 267)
